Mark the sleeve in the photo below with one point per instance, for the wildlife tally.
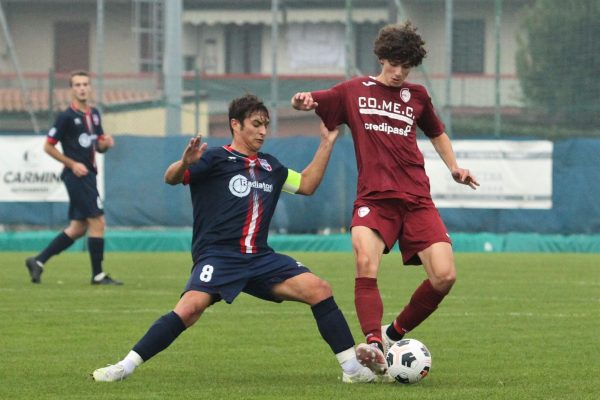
(428, 121)
(331, 106)
(292, 183)
(99, 130)
(198, 171)
(57, 131)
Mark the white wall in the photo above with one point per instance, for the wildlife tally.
(32, 31)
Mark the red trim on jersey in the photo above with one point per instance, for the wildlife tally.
(88, 109)
(232, 150)
(257, 220)
(246, 228)
(253, 215)
(52, 141)
(186, 177)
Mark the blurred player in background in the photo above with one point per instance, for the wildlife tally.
(234, 190)
(393, 200)
(80, 133)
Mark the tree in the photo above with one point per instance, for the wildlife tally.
(558, 60)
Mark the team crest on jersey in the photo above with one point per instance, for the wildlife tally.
(405, 95)
(265, 164)
(77, 121)
(96, 119)
(363, 211)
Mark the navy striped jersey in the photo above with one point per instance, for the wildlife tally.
(233, 198)
(78, 133)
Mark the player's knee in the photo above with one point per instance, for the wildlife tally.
(188, 314)
(444, 282)
(366, 266)
(321, 291)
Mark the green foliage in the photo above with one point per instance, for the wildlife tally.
(516, 326)
(558, 59)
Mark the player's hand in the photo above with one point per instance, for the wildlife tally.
(303, 101)
(108, 141)
(79, 169)
(194, 150)
(464, 176)
(104, 143)
(328, 135)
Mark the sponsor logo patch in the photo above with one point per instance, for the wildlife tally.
(85, 140)
(240, 186)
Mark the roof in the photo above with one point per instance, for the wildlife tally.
(12, 100)
(257, 16)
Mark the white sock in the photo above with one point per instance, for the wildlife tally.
(99, 277)
(351, 366)
(131, 362)
(348, 361)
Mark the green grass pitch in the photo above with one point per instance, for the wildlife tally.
(516, 326)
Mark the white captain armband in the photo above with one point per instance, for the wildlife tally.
(292, 183)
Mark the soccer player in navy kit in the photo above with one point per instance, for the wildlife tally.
(234, 190)
(393, 201)
(79, 130)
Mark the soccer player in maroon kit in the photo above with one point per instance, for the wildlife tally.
(393, 201)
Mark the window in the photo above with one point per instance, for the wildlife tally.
(71, 46)
(243, 47)
(189, 63)
(468, 39)
(148, 26)
(366, 60)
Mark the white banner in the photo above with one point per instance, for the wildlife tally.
(512, 174)
(28, 174)
(316, 45)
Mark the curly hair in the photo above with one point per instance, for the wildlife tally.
(400, 43)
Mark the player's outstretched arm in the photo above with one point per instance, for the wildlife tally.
(192, 153)
(303, 101)
(444, 148)
(312, 175)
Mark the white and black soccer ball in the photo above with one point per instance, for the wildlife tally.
(408, 361)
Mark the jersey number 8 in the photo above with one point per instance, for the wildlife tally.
(206, 273)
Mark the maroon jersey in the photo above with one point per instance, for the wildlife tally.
(383, 121)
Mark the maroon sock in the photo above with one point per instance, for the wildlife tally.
(423, 302)
(369, 307)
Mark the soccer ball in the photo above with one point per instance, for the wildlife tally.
(408, 361)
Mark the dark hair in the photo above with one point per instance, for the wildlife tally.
(242, 107)
(77, 73)
(400, 43)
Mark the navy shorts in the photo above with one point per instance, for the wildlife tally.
(84, 199)
(225, 274)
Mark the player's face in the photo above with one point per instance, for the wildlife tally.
(393, 73)
(80, 88)
(250, 135)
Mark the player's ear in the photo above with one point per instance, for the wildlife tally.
(234, 124)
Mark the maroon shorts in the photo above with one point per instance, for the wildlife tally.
(416, 224)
